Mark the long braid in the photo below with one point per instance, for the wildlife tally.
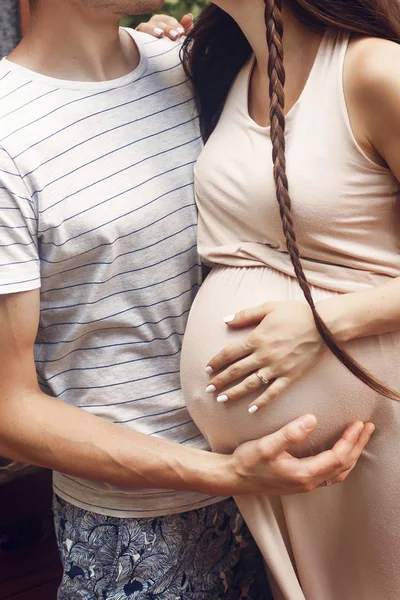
(276, 74)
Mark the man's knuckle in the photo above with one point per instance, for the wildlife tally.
(347, 465)
(302, 480)
(290, 435)
(339, 464)
(308, 487)
(264, 450)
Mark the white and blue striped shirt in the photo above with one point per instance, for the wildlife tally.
(97, 209)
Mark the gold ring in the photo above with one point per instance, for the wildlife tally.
(328, 483)
(263, 380)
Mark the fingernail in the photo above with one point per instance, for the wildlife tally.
(211, 389)
(158, 31)
(308, 422)
(222, 399)
(209, 370)
(253, 409)
(173, 33)
(229, 319)
(180, 29)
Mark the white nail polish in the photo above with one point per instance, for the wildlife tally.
(174, 34)
(180, 29)
(158, 31)
(229, 319)
(209, 370)
(253, 409)
(211, 389)
(222, 399)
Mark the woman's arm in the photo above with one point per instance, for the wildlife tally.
(372, 87)
(372, 312)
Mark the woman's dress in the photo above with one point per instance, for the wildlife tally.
(343, 542)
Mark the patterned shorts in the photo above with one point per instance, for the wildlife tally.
(205, 554)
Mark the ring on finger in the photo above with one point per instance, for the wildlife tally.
(263, 379)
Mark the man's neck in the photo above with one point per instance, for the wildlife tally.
(68, 40)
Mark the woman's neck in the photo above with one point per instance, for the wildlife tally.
(69, 40)
(250, 16)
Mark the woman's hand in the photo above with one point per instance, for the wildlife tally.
(284, 346)
(267, 466)
(165, 26)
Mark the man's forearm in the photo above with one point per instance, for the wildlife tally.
(47, 432)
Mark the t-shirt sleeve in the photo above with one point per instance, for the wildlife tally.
(19, 258)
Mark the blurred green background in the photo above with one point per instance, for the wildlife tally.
(175, 8)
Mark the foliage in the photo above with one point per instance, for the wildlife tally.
(175, 8)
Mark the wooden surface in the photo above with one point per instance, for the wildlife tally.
(33, 574)
(29, 563)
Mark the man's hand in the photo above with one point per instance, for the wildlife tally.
(165, 26)
(266, 466)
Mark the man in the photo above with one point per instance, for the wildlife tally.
(98, 138)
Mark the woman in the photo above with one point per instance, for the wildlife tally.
(339, 249)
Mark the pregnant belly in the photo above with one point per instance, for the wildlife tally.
(329, 391)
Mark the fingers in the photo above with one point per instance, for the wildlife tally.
(291, 434)
(250, 316)
(358, 449)
(250, 384)
(334, 465)
(277, 387)
(162, 26)
(255, 381)
(268, 465)
(187, 22)
(238, 370)
(227, 356)
(151, 28)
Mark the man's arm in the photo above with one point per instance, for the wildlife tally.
(41, 430)
(45, 431)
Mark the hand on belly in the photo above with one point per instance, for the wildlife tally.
(328, 391)
(283, 346)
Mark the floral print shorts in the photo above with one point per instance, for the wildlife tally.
(205, 554)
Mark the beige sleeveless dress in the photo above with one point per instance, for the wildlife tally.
(339, 543)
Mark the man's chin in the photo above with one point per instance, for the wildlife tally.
(127, 7)
(140, 7)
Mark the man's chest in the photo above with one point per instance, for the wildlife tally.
(116, 185)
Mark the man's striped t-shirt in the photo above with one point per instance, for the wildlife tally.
(97, 209)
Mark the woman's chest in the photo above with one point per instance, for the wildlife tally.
(334, 196)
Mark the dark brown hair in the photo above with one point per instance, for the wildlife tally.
(213, 55)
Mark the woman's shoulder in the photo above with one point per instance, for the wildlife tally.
(372, 91)
(372, 61)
